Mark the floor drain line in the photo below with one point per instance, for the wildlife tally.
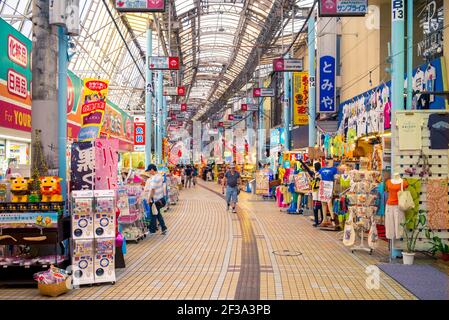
(287, 253)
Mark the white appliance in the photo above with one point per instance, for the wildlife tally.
(104, 264)
(82, 215)
(83, 262)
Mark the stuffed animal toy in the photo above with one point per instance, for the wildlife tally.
(51, 189)
(20, 189)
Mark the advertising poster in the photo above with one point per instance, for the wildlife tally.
(106, 164)
(82, 164)
(140, 5)
(300, 98)
(93, 108)
(15, 79)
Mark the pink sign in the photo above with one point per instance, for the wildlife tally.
(328, 7)
(106, 164)
(278, 64)
(14, 117)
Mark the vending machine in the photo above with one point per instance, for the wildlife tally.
(104, 219)
(82, 214)
(83, 262)
(104, 264)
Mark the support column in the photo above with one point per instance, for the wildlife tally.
(149, 100)
(312, 98)
(409, 53)
(261, 131)
(287, 109)
(44, 112)
(160, 80)
(62, 109)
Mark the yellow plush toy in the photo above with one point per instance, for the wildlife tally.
(20, 189)
(51, 189)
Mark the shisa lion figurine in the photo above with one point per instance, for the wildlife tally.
(20, 189)
(51, 189)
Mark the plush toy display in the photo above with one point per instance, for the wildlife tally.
(51, 189)
(20, 189)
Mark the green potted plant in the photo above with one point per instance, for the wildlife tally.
(438, 246)
(413, 227)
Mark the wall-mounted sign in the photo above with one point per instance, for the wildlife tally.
(281, 65)
(398, 10)
(235, 117)
(140, 5)
(139, 133)
(17, 51)
(17, 84)
(431, 26)
(327, 85)
(183, 107)
(263, 92)
(300, 98)
(347, 8)
(163, 63)
(174, 91)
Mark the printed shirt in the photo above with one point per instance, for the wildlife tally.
(232, 179)
(156, 183)
(439, 131)
(327, 174)
(409, 128)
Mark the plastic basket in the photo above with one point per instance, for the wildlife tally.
(53, 290)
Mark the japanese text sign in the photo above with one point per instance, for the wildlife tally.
(327, 85)
(281, 64)
(300, 98)
(139, 133)
(140, 5)
(337, 8)
(163, 63)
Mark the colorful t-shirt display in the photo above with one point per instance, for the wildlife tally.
(327, 174)
(439, 131)
(409, 129)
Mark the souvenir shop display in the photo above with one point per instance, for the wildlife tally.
(93, 257)
(263, 179)
(132, 218)
(361, 199)
(53, 282)
(25, 227)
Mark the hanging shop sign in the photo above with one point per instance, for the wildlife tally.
(263, 92)
(339, 8)
(183, 107)
(163, 63)
(249, 107)
(235, 117)
(15, 79)
(106, 164)
(139, 133)
(300, 98)
(282, 64)
(429, 36)
(93, 108)
(327, 84)
(140, 5)
(82, 163)
(174, 91)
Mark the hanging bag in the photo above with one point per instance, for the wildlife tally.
(373, 235)
(405, 199)
(349, 232)
(154, 211)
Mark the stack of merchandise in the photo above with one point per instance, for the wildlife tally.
(52, 282)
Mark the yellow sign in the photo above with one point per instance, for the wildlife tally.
(300, 98)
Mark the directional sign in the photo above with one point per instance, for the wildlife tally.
(281, 65)
(249, 107)
(163, 63)
(174, 91)
(140, 5)
(178, 107)
(263, 92)
(235, 117)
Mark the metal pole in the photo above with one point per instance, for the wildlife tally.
(62, 109)
(312, 99)
(159, 116)
(409, 54)
(397, 74)
(149, 100)
(287, 110)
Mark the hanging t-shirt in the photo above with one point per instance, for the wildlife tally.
(429, 79)
(409, 129)
(327, 174)
(387, 115)
(439, 131)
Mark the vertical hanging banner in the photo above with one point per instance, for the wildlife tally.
(93, 108)
(106, 164)
(326, 65)
(139, 133)
(300, 98)
(82, 165)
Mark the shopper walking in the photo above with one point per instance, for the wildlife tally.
(195, 174)
(189, 176)
(232, 182)
(155, 189)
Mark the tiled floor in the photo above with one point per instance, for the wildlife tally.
(213, 254)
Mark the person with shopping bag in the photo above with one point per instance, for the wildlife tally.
(154, 191)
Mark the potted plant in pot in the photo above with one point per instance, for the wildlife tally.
(438, 246)
(413, 227)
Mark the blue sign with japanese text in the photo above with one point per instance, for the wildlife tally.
(327, 85)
